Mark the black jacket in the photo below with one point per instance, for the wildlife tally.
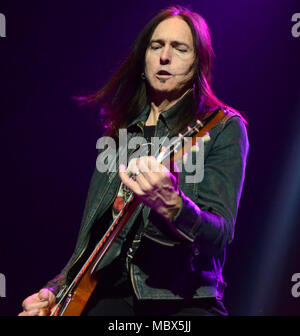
(162, 266)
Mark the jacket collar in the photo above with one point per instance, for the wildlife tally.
(171, 116)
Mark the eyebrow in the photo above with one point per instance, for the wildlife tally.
(173, 42)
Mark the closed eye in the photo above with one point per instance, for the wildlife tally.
(155, 47)
(180, 46)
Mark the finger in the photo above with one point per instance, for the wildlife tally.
(143, 183)
(43, 294)
(34, 312)
(38, 305)
(153, 165)
(148, 178)
(161, 172)
(172, 170)
(46, 295)
(133, 167)
(130, 164)
(129, 182)
(30, 301)
(166, 177)
(138, 170)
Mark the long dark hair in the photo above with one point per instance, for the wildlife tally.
(124, 96)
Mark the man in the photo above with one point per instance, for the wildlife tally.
(169, 260)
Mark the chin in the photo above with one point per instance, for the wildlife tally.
(164, 87)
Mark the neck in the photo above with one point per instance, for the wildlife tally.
(161, 103)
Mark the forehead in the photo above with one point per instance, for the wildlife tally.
(173, 29)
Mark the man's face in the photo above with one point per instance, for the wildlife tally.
(170, 56)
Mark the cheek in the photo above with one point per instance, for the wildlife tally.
(185, 69)
(150, 62)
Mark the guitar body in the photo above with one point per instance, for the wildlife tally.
(77, 301)
(85, 282)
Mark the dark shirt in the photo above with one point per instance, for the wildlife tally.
(149, 132)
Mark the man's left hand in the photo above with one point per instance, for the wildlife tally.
(154, 184)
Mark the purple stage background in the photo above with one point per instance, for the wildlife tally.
(54, 50)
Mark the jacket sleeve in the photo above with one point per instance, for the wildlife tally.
(210, 219)
(58, 282)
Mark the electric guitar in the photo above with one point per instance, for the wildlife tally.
(75, 296)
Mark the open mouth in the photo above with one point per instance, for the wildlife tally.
(163, 73)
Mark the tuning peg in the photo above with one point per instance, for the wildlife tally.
(199, 123)
(195, 147)
(206, 137)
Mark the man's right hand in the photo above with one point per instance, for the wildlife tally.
(39, 304)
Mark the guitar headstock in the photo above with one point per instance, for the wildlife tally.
(187, 141)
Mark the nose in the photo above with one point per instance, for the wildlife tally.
(165, 56)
